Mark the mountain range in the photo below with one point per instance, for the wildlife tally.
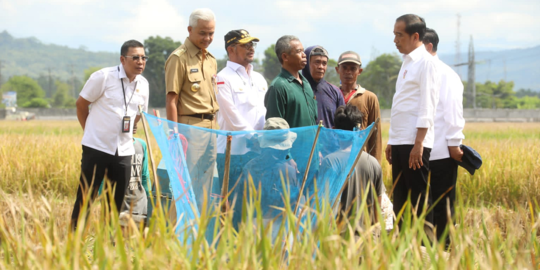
(31, 57)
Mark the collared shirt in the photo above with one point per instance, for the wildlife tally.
(368, 103)
(415, 100)
(353, 93)
(449, 121)
(241, 100)
(103, 129)
(290, 100)
(192, 79)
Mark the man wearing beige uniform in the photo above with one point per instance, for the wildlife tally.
(190, 79)
(190, 75)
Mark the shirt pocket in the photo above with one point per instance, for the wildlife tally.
(194, 78)
(241, 96)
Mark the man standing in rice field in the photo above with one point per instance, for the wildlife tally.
(349, 68)
(190, 80)
(290, 95)
(449, 124)
(190, 75)
(114, 94)
(413, 111)
(241, 100)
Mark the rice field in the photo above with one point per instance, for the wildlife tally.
(497, 216)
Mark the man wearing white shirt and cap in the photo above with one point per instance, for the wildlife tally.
(413, 111)
(449, 124)
(240, 97)
(114, 94)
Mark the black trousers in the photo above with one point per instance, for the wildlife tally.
(118, 169)
(443, 179)
(408, 180)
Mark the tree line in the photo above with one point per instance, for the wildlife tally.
(379, 76)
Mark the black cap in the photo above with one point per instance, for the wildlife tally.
(471, 160)
(240, 36)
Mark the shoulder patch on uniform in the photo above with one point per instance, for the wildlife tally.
(179, 52)
(220, 83)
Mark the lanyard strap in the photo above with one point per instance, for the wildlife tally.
(124, 92)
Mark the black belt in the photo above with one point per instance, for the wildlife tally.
(202, 116)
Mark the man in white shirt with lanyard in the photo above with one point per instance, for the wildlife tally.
(449, 124)
(107, 109)
(413, 111)
(240, 97)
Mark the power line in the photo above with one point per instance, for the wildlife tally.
(499, 58)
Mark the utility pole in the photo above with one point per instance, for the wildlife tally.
(470, 92)
(458, 45)
(471, 80)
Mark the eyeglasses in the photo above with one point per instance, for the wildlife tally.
(249, 45)
(137, 58)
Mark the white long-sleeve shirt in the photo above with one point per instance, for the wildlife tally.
(103, 128)
(449, 121)
(415, 100)
(241, 104)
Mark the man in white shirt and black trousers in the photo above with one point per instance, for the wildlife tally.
(240, 97)
(113, 95)
(449, 124)
(413, 111)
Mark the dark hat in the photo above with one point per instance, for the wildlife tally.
(471, 160)
(349, 56)
(318, 50)
(240, 36)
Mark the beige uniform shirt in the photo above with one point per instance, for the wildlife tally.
(192, 79)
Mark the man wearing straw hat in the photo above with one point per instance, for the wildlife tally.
(269, 166)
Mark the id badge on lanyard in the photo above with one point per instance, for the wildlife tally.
(126, 123)
(126, 120)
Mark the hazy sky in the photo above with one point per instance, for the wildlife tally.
(338, 25)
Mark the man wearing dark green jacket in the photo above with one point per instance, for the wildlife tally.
(290, 95)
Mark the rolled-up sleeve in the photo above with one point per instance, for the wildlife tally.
(429, 95)
(453, 116)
